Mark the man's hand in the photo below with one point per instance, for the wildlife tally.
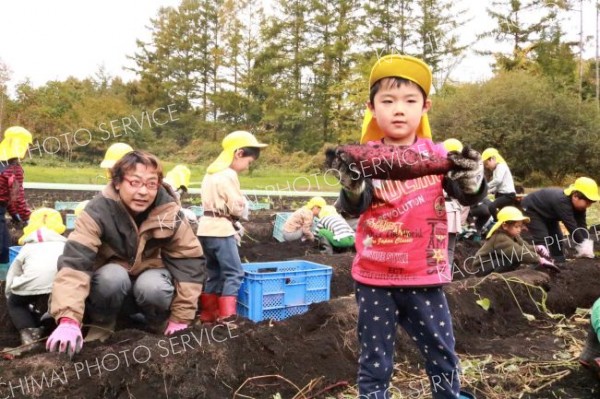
(66, 338)
(468, 169)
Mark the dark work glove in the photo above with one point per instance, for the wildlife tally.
(467, 170)
(349, 174)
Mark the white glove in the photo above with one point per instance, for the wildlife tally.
(245, 209)
(239, 229)
(189, 215)
(585, 249)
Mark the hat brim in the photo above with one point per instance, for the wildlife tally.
(222, 162)
(592, 197)
(402, 66)
(497, 225)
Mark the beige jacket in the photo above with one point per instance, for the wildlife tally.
(221, 195)
(302, 219)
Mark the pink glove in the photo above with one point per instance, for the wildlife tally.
(173, 327)
(542, 250)
(66, 338)
(549, 264)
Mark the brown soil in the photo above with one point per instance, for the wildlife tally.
(319, 346)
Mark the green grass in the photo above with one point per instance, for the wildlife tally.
(261, 179)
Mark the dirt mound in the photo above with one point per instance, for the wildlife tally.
(319, 346)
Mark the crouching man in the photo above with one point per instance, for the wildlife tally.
(130, 242)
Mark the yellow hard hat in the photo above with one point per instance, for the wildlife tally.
(15, 142)
(316, 201)
(508, 214)
(46, 217)
(178, 176)
(585, 186)
(80, 207)
(492, 152)
(232, 142)
(453, 145)
(401, 66)
(114, 153)
(327, 210)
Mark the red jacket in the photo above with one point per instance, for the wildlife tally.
(12, 193)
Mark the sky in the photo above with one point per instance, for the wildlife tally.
(50, 40)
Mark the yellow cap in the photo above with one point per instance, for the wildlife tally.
(15, 142)
(327, 210)
(316, 201)
(80, 207)
(178, 176)
(507, 214)
(43, 217)
(401, 66)
(585, 186)
(453, 145)
(114, 153)
(492, 152)
(232, 142)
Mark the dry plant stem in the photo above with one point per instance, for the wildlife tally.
(236, 393)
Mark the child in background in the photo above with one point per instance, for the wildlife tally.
(457, 214)
(401, 257)
(30, 277)
(333, 230)
(224, 204)
(300, 223)
(505, 250)
(501, 185)
(12, 193)
(549, 206)
(590, 356)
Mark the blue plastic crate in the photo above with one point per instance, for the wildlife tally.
(71, 221)
(255, 206)
(13, 252)
(278, 290)
(65, 205)
(280, 219)
(198, 210)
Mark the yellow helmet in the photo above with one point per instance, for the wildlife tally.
(80, 207)
(585, 186)
(453, 145)
(327, 210)
(492, 152)
(46, 217)
(232, 142)
(15, 143)
(114, 153)
(316, 201)
(178, 176)
(508, 214)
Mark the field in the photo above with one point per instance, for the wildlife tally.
(525, 345)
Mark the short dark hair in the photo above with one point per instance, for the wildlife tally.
(393, 81)
(128, 162)
(580, 195)
(253, 152)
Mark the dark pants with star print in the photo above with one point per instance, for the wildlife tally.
(424, 314)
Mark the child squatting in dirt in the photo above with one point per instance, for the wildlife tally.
(505, 250)
(399, 281)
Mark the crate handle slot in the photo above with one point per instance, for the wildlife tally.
(267, 270)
